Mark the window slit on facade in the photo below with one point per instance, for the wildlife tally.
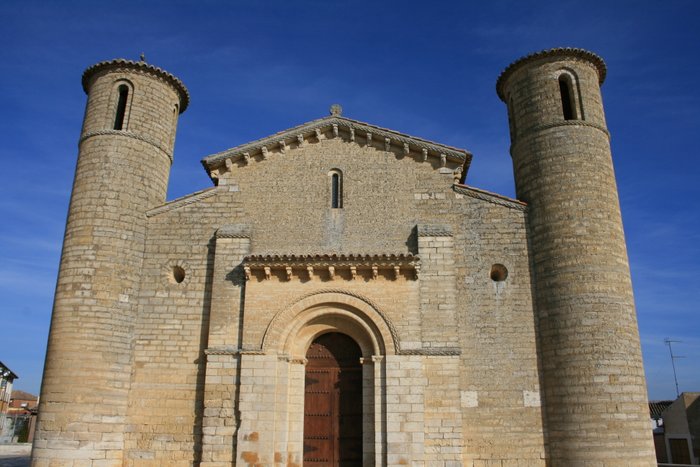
(121, 107)
(336, 190)
(566, 97)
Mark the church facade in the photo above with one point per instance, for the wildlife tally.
(340, 296)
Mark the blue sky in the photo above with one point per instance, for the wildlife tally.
(424, 68)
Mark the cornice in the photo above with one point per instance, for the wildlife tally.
(119, 64)
(234, 231)
(490, 197)
(127, 134)
(565, 52)
(434, 230)
(311, 265)
(336, 126)
(186, 200)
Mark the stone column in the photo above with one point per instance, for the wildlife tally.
(221, 416)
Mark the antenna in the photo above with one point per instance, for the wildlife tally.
(668, 342)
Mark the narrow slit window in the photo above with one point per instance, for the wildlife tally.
(511, 119)
(336, 190)
(121, 107)
(567, 95)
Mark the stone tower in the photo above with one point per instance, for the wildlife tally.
(594, 391)
(125, 154)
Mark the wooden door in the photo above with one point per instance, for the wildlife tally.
(333, 402)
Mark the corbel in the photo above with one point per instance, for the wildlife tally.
(288, 270)
(335, 130)
(425, 155)
(387, 144)
(268, 272)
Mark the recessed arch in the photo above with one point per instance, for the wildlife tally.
(336, 180)
(292, 330)
(570, 95)
(120, 104)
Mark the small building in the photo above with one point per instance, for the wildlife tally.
(7, 377)
(681, 434)
(22, 412)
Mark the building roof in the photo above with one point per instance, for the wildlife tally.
(122, 63)
(567, 52)
(5, 372)
(334, 125)
(23, 395)
(656, 408)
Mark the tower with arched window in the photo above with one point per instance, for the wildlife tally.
(124, 159)
(588, 337)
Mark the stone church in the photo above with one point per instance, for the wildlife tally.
(340, 296)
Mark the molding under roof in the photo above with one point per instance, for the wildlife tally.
(336, 126)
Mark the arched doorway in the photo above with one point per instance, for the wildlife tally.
(333, 402)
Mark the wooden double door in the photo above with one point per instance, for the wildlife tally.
(333, 402)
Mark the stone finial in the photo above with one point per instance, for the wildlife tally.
(336, 110)
(142, 57)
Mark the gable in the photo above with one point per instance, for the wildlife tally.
(444, 159)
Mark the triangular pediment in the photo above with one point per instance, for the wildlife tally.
(337, 126)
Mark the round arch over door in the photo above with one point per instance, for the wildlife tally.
(333, 402)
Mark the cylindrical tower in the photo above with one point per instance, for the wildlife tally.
(595, 398)
(124, 159)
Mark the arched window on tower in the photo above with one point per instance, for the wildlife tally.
(123, 91)
(336, 177)
(511, 120)
(571, 102)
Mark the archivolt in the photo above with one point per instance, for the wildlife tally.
(331, 309)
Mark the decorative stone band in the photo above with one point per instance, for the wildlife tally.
(333, 127)
(186, 200)
(234, 231)
(121, 65)
(535, 131)
(232, 351)
(310, 265)
(434, 230)
(563, 52)
(490, 197)
(433, 351)
(127, 134)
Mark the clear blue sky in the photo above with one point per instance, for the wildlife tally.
(424, 68)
